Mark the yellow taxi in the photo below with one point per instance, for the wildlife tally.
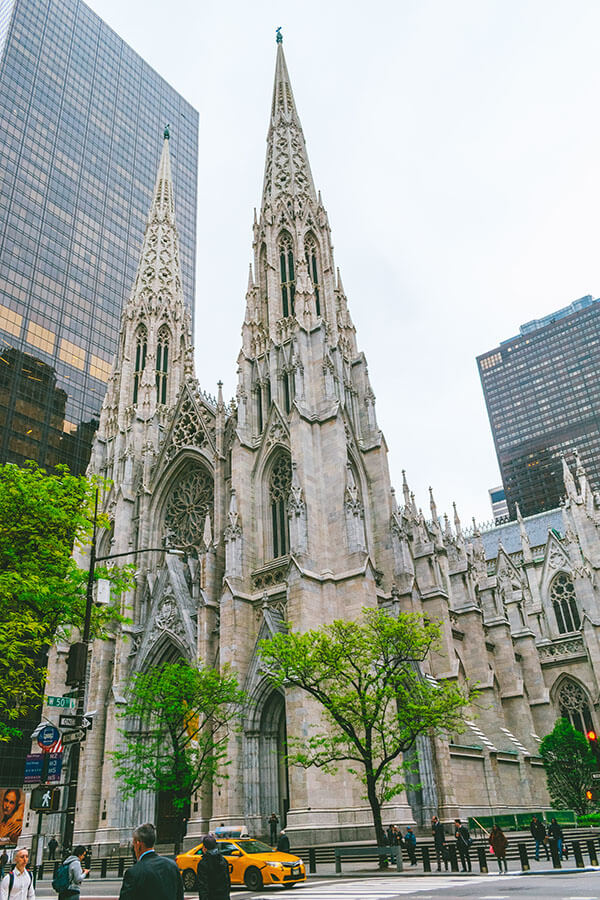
(250, 862)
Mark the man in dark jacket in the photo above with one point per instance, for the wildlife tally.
(439, 840)
(538, 833)
(283, 842)
(213, 872)
(463, 842)
(152, 876)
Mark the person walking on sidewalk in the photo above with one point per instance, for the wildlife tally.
(463, 843)
(439, 841)
(76, 873)
(153, 877)
(410, 842)
(18, 884)
(498, 845)
(273, 823)
(283, 842)
(538, 833)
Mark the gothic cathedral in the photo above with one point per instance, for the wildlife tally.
(283, 502)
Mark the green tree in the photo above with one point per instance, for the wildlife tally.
(569, 765)
(180, 719)
(42, 589)
(366, 677)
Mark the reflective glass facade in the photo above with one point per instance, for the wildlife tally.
(82, 119)
(542, 391)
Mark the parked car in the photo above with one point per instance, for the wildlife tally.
(250, 862)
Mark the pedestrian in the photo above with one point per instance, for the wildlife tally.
(538, 833)
(18, 884)
(283, 844)
(498, 845)
(439, 841)
(3, 863)
(153, 877)
(463, 843)
(273, 823)
(556, 834)
(76, 873)
(52, 845)
(410, 842)
(213, 872)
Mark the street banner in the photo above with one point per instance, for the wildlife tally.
(34, 765)
(12, 803)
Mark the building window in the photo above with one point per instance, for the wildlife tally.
(288, 277)
(162, 365)
(191, 500)
(574, 706)
(280, 482)
(562, 594)
(141, 350)
(310, 248)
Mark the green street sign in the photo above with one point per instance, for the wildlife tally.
(62, 702)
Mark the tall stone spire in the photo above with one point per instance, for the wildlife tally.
(287, 170)
(155, 344)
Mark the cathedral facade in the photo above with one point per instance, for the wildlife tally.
(283, 503)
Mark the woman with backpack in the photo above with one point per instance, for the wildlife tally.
(68, 878)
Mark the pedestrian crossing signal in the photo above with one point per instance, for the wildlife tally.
(45, 799)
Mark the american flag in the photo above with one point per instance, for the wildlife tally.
(56, 747)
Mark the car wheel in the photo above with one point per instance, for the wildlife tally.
(189, 879)
(253, 879)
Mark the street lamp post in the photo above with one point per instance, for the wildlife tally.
(82, 681)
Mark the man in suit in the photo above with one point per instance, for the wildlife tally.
(152, 876)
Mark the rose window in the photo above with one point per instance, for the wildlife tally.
(189, 503)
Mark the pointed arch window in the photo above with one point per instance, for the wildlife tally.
(564, 601)
(312, 264)
(287, 274)
(280, 482)
(162, 364)
(263, 281)
(574, 705)
(141, 351)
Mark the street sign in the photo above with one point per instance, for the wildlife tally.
(34, 765)
(596, 776)
(71, 722)
(67, 722)
(48, 736)
(62, 702)
(45, 798)
(73, 737)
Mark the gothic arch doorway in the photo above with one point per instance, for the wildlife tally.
(273, 771)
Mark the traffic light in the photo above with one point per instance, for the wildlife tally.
(594, 747)
(76, 663)
(45, 799)
(593, 795)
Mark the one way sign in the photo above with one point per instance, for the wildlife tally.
(71, 722)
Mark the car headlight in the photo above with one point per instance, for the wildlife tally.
(298, 862)
(275, 865)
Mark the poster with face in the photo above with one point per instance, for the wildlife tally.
(12, 803)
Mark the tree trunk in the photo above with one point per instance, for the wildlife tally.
(376, 810)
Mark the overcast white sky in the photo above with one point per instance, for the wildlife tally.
(456, 146)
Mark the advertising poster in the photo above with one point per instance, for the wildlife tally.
(12, 803)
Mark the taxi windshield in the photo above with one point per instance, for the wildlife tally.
(254, 847)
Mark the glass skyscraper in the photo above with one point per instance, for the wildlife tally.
(542, 391)
(82, 119)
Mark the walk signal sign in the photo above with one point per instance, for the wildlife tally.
(45, 799)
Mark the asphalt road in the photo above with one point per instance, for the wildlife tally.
(578, 886)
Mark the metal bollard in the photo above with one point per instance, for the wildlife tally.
(40, 873)
(592, 851)
(578, 855)
(121, 866)
(555, 854)
(56, 865)
(399, 863)
(426, 860)
(338, 862)
(103, 867)
(453, 857)
(483, 867)
(525, 867)
(312, 860)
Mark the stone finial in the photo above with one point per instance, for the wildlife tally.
(167, 132)
(278, 35)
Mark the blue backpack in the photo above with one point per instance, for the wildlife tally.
(62, 879)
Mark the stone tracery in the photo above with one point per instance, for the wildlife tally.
(190, 502)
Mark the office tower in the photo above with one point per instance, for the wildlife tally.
(81, 116)
(542, 391)
(498, 504)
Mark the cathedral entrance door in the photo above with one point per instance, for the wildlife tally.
(168, 819)
(273, 779)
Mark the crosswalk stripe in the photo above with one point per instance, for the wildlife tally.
(374, 889)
